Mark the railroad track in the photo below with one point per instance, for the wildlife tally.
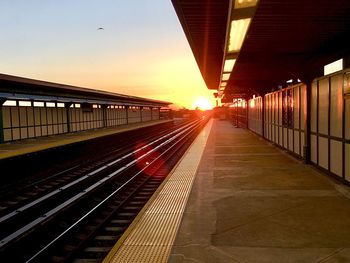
(39, 185)
(28, 170)
(85, 217)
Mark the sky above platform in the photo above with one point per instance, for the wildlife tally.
(140, 51)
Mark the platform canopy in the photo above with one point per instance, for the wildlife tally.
(246, 47)
(13, 87)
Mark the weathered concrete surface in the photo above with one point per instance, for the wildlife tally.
(251, 202)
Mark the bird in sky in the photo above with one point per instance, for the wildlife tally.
(100, 28)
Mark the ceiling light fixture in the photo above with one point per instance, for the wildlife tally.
(229, 64)
(334, 67)
(245, 3)
(225, 76)
(238, 32)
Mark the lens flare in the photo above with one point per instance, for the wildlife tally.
(144, 162)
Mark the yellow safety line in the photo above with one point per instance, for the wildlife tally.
(154, 201)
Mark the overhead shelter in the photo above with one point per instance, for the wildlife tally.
(33, 108)
(13, 87)
(263, 43)
(294, 56)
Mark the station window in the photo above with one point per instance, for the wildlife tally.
(77, 105)
(287, 109)
(10, 103)
(38, 104)
(24, 103)
(50, 104)
(60, 105)
(347, 83)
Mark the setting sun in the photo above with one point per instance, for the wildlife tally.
(202, 104)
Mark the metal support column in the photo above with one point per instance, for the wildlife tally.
(104, 115)
(67, 106)
(247, 113)
(127, 114)
(263, 116)
(141, 108)
(307, 125)
(1, 121)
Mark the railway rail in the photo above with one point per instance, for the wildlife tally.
(81, 217)
(37, 185)
(58, 160)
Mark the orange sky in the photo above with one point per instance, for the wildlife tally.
(142, 50)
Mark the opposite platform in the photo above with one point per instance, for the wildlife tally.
(27, 146)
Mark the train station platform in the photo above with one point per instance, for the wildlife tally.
(27, 146)
(249, 202)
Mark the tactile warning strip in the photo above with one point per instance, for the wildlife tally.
(152, 237)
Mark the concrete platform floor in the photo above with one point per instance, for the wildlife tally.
(251, 202)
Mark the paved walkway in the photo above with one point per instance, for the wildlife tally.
(251, 202)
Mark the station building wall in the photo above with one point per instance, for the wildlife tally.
(155, 114)
(25, 119)
(284, 119)
(85, 118)
(134, 114)
(238, 113)
(330, 123)
(146, 114)
(255, 115)
(116, 115)
(31, 119)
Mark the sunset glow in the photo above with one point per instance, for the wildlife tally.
(202, 104)
(142, 50)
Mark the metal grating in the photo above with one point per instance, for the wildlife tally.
(151, 239)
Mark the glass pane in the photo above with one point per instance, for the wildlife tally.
(336, 106)
(314, 106)
(323, 106)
